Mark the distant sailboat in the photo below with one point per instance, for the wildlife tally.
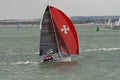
(109, 24)
(57, 36)
(97, 27)
(95, 23)
(117, 24)
(19, 25)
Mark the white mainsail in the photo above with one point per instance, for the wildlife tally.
(109, 24)
(117, 24)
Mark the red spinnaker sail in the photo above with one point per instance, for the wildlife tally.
(66, 33)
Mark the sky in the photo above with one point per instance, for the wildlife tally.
(31, 9)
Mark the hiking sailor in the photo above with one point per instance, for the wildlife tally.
(48, 56)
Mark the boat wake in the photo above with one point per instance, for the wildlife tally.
(101, 49)
(18, 63)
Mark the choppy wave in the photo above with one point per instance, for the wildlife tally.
(18, 63)
(101, 49)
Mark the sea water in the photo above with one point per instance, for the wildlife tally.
(99, 57)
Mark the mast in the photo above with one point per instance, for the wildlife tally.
(55, 34)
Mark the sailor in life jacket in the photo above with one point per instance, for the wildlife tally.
(48, 58)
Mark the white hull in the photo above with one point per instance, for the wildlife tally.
(64, 59)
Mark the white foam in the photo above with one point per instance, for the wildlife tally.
(46, 76)
(18, 63)
(26, 62)
(36, 53)
(101, 49)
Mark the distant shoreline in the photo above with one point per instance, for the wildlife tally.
(29, 25)
(21, 26)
